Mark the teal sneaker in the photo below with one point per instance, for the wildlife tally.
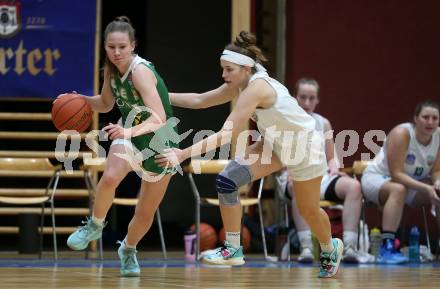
(225, 255)
(330, 261)
(129, 263)
(80, 239)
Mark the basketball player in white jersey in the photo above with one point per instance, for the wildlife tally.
(405, 171)
(278, 116)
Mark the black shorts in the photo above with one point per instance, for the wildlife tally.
(330, 192)
(329, 195)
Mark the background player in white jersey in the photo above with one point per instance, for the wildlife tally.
(270, 104)
(406, 170)
(336, 186)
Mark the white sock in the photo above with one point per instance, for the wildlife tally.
(233, 238)
(126, 244)
(328, 248)
(350, 239)
(305, 239)
(98, 221)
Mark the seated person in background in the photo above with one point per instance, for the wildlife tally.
(336, 186)
(406, 170)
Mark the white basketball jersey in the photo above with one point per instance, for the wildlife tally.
(419, 158)
(284, 116)
(319, 119)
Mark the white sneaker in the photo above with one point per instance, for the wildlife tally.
(366, 258)
(425, 254)
(354, 256)
(306, 256)
(330, 261)
(350, 255)
(225, 255)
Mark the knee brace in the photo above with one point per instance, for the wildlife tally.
(233, 176)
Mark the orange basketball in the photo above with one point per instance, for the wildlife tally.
(208, 236)
(245, 236)
(71, 112)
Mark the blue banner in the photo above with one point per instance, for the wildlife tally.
(47, 47)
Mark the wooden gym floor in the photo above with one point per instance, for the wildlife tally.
(73, 271)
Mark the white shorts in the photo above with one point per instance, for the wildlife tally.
(128, 146)
(314, 162)
(308, 172)
(121, 141)
(281, 185)
(371, 184)
(131, 154)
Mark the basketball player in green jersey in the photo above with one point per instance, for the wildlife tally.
(142, 98)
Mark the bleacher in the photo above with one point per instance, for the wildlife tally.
(27, 162)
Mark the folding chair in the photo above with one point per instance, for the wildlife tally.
(358, 169)
(98, 165)
(34, 167)
(215, 167)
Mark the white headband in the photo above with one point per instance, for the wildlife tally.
(241, 59)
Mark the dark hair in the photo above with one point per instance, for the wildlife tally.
(425, 103)
(306, 80)
(120, 24)
(246, 43)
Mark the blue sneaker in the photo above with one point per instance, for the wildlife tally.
(389, 255)
(129, 263)
(80, 239)
(225, 255)
(330, 261)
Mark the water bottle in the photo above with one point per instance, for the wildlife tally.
(375, 241)
(190, 239)
(414, 245)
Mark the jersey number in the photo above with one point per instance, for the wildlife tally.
(418, 172)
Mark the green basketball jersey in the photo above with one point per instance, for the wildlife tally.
(134, 112)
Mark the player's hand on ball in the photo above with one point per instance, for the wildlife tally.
(64, 94)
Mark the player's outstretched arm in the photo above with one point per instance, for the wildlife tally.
(214, 97)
